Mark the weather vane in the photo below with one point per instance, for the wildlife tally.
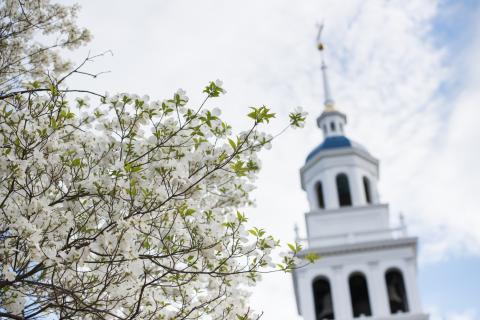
(319, 37)
(329, 103)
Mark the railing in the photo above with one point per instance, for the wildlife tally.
(355, 237)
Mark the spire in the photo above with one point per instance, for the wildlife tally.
(331, 121)
(328, 103)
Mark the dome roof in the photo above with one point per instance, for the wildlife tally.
(334, 142)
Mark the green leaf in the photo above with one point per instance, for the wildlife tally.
(132, 191)
(189, 212)
(312, 257)
(146, 244)
(297, 119)
(76, 162)
(213, 90)
(261, 115)
(228, 225)
(35, 85)
(232, 144)
(53, 123)
(53, 89)
(97, 113)
(291, 246)
(252, 166)
(222, 157)
(241, 217)
(209, 215)
(129, 168)
(296, 248)
(138, 103)
(239, 168)
(126, 99)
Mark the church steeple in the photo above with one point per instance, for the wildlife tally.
(368, 268)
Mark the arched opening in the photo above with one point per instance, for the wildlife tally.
(343, 190)
(319, 191)
(323, 299)
(397, 296)
(359, 295)
(332, 126)
(366, 187)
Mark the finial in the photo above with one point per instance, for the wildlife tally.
(403, 226)
(295, 229)
(329, 103)
(319, 37)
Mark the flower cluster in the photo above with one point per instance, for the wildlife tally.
(24, 56)
(127, 208)
(298, 117)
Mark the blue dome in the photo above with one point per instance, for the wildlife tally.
(330, 143)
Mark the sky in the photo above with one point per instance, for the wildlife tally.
(404, 72)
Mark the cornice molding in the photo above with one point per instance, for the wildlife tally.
(369, 246)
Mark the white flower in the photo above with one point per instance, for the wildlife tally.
(216, 112)
(9, 275)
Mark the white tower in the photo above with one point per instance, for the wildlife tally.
(366, 268)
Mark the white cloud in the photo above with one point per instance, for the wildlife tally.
(435, 314)
(385, 75)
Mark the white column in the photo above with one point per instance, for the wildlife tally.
(342, 305)
(330, 190)
(356, 189)
(377, 290)
(312, 197)
(305, 295)
(410, 279)
(374, 190)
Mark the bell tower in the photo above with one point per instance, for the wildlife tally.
(367, 268)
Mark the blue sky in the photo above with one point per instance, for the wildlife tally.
(453, 29)
(451, 285)
(404, 72)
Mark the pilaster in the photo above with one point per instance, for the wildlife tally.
(342, 304)
(378, 289)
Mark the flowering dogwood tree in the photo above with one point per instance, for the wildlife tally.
(122, 207)
(23, 56)
(128, 208)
